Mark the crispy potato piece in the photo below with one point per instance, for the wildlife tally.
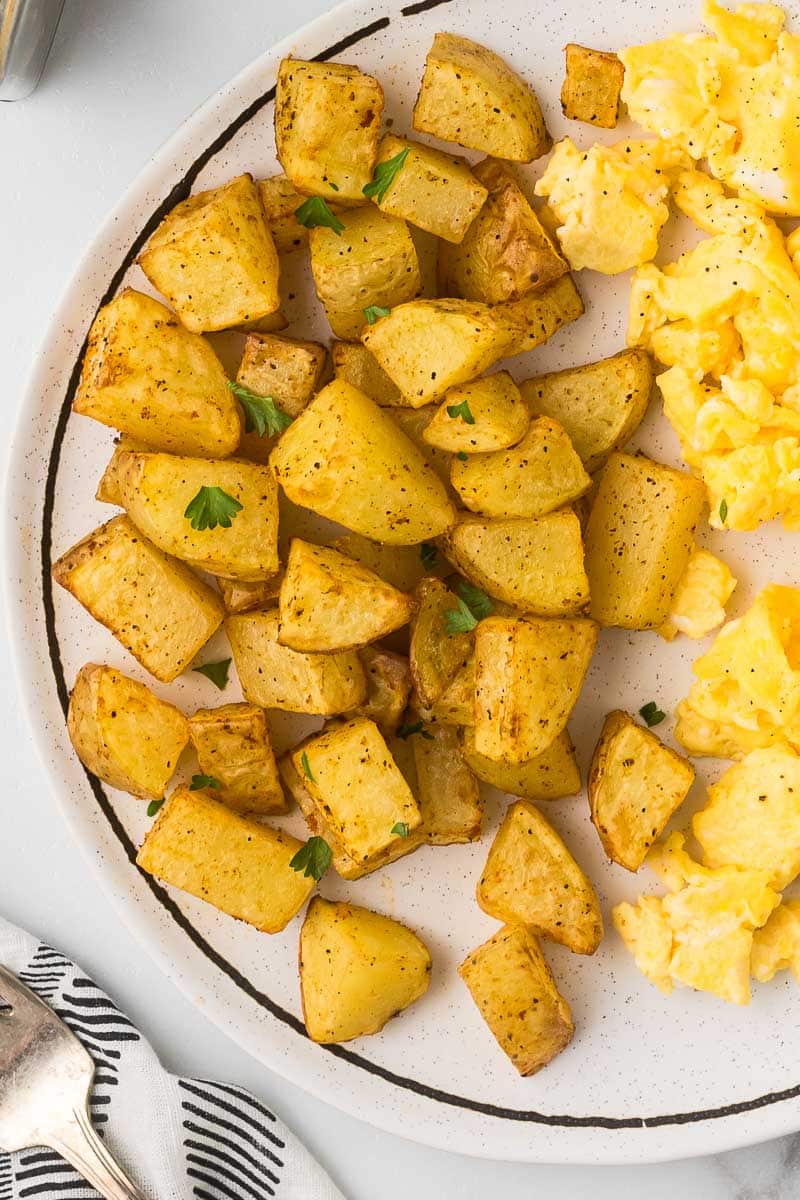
(530, 878)
(401, 566)
(154, 605)
(456, 705)
(240, 597)
(371, 262)
(499, 416)
(345, 459)
(156, 489)
(147, 376)
(433, 190)
(273, 676)
(532, 320)
(638, 540)
(517, 996)
(636, 783)
(506, 252)
(327, 125)
(551, 775)
(273, 323)
(447, 792)
(388, 688)
(280, 201)
(354, 363)
(528, 675)
(600, 405)
(357, 969)
(108, 487)
(413, 422)
(238, 865)
(124, 734)
(214, 259)
(430, 346)
(539, 474)
(287, 369)
(436, 655)
(469, 95)
(233, 746)
(592, 86)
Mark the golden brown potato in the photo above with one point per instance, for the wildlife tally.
(239, 597)
(530, 878)
(124, 734)
(517, 996)
(153, 604)
(636, 783)
(108, 487)
(456, 705)
(287, 369)
(345, 459)
(150, 378)
(233, 746)
(592, 86)
(214, 259)
(273, 323)
(528, 675)
(447, 792)
(413, 422)
(388, 688)
(273, 676)
(436, 655)
(401, 566)
(486, 414)
(638, 540)
(600, 405)
(327, 125)
(532, 320)
(353, 363)
(357, 970)
(506, 252)
(551, 775)
(433, 190)
(469, 95)
(238, 865)
(280, 201)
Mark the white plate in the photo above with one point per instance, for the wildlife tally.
(646, 1077)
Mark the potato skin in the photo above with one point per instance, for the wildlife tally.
(388, 688)
(233, 746)
(551, 775)
(592, 86)
(447, 791)
(534, 318)
(433, 190)
(435, 655)
(354, 363)
(240, 597)
(280, 201)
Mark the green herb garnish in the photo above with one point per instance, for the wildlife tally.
(306, 767)
(479, 603)
(261, 413)
(313, 859)
(723, 510)
(217, 672)
(385, 175)
(374, 313)
(212, 507)
(459, 620)
(315, 211)
(204, 781)
(651, 714)
(462, 410)
(400, 829)
(429, 555)
(461, 456)
(406, 731)
(153, 807)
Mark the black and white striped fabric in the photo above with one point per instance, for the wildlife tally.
(178, 1138)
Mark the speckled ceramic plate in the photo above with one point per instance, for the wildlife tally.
(646, 1077)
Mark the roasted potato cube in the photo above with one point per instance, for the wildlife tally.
(506, 252)
(517, 997)
(154, 605)
(539, 474)
(447, 792)
(456, 705)
(273, 323)
(388, 688)
(280, 201)
(274, 676)
(436, 655)
(600, 405)
(108, 487)
(401, 566)
(432, 190)
(592, 86)
(413, 422)
(470, 96)
(528, 675)
(239, 597)
(327, 125)
(345, 459)
(357, 969)
(354, 363)
(549, 776)
(124, 734)
(236, 864)
(530, 878)
(430, 346)
(372, 262)
(233, 746)
(156, 490)
(487, 414)
(532, 320)
(214, 259)
(150, 378)
(287, 369)
(638, 540)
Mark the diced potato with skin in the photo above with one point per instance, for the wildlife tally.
(233, 746)
(108, 487)
(401, 566)
(388, 688)
(280, 201)
(150, 378)
(500, 417)
(506, 252)
(698, 605)
(535, 477)
(327, 126)
(357, 970)
(287, 369)
(530, 878)
(776, 945)
(470, 96)
(592, 86)
(345, 459)
(430, 346)
(154, 605)
(551, 775)
(240, 597)
(517, 996)
(273, 323)
(413, 422)
(447, 791)
(636, 784)
(273, 676)
(436, 655)
(156, 489)
(236, 864)
(456, 705)
(433, 190)
(354, 363)
(600, 405)
(536, 317)
(214, 259)
(528, 675)
(638, 540)
(124, 734)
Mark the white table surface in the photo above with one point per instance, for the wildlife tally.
(123, 75)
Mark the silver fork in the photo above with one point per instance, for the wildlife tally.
(45, 1079)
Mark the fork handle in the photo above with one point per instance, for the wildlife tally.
(80, 1145)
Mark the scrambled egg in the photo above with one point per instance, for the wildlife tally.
(776, 945)
(698, 605)
(730, 96)
(610, 201)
